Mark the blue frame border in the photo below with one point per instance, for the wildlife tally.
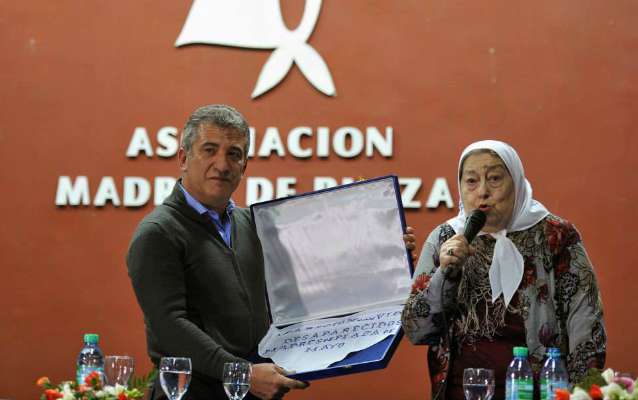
(378, 355)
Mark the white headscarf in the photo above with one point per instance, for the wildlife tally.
(506, 270)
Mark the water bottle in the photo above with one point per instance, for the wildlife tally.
(519, 382)
(553, 375)
(90, 359)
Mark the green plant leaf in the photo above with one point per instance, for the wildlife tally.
(592, 377)
(143, 382)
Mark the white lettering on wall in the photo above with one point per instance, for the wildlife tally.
(163, 187)
(72, 193)
(301, 142)
(106, 191)
(167, 138)
(410, 187)
(141, 142)
(340, 140)
(285, 186)
(261, 189)
(325, 182)
(346, 142)
(323, 141)
(440, 193)
(137, 191)
(375, 140)
(271, 142)
(258, 189)
(294, 142)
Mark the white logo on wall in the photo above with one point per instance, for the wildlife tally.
(258, 24)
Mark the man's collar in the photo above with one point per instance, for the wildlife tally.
(200, 208)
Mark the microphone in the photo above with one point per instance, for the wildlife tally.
(473, 225)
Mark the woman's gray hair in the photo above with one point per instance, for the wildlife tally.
(219, 115)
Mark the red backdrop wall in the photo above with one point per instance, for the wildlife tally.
(557, 80)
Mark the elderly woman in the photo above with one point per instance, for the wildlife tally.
(526, 280)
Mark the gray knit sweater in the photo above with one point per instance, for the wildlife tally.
(200, 298)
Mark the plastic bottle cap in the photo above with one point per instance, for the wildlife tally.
(520, 351)
(92, 338)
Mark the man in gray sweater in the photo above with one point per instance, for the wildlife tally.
(196, 264)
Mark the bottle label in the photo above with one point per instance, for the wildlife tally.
(85, 370)
(548, 388)
(520, 389)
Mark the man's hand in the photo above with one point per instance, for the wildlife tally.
(410, 242)
(269, 381)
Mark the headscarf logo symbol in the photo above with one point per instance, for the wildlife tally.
(258, 24)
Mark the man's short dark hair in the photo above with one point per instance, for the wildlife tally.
(219, 115)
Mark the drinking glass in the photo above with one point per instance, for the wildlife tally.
(118, 370)
(478, 383)
(175, 375)
(236, 379)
